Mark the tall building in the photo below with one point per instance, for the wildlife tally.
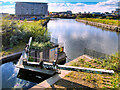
(29, 9)
(118, 9)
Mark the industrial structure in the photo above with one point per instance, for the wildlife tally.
(30, 9)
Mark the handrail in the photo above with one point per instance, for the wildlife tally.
(81, 69)
(25, 53)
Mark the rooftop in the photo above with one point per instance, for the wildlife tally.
(32, 2)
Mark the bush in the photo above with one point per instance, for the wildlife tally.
(41, 46)
(14, 32)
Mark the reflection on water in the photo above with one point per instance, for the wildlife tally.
(9, 77)
(13, 77)
(76, 36)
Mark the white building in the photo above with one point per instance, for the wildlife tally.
(29, 9)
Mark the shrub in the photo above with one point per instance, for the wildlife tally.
(14, 32)
(41, 46)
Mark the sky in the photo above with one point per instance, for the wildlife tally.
(8, 6)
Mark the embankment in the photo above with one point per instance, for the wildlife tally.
(10, 57)
(104, 26)
(45, 23)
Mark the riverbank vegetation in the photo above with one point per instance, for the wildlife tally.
(16, 48)
(104, 21)
(15, 33)
(41, 45)
(64, 16)
(86, 80)
(100, 80)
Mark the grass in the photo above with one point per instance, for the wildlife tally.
(104, 21)
(31, 59)
(98, 80)
(17, 48)
(111, 64)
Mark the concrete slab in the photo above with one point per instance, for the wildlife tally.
(49, 72)
(47, 83)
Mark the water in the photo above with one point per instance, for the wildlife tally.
(77, 36)
(10, 79)
(13, 77)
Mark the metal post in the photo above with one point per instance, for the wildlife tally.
(35, 55)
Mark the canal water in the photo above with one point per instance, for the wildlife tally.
(77, 36)
(13, 77)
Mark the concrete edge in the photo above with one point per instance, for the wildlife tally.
(10, 57)
(50, 81)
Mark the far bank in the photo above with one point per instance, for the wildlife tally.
(112, 25)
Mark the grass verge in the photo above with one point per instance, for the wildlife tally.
(15, 49)
(104, 21)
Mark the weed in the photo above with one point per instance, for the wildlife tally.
(75, 64)
(81, 60)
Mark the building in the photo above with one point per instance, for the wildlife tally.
(4, 14)
(117, 11)
(30, 9)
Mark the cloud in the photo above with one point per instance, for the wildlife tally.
(56, 4)
(0, 2)
(107, 6)
(80, 4)
(65, 4)
(80, 7)
(77, 4)
(7, 9)
(8, 6)
(108, 3)
(57, 7)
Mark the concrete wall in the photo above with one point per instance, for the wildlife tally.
(28, 9)
(10, 57)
